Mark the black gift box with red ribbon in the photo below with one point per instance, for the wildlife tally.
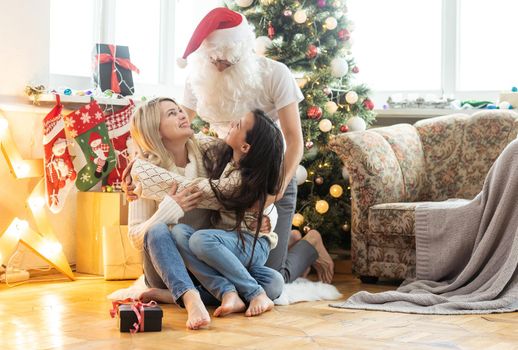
(112, 69)
(135, 316)
(152, 321)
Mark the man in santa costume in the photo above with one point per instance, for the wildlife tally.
(101, 150)
(226, 80)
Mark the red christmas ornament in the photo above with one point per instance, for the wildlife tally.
(314, 112)
(312, 51)
(355, 69)
(271, 30)
(309, 144)
(344, 128)
(368, 104)
(344, 35)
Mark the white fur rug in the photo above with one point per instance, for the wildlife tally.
(300, 290)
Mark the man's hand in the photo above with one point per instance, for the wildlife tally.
(127, 184)
(188, 198)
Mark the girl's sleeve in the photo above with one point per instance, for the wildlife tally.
(154, 182)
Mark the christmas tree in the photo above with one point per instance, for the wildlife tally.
(312, 38)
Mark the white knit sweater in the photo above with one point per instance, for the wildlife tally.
(144, 213)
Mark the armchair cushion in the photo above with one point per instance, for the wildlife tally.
(393, 218)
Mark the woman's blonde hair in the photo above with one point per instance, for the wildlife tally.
(144, 129)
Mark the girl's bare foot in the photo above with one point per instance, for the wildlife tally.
(259, 305)
(295, 236)
(324, 265)
(306, 272)
(197, 314)
(231, 303)
(162, 296)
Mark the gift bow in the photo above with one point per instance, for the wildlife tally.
(123, 62)
(137, 307)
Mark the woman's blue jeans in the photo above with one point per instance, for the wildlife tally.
(219, 261)
(164, 266)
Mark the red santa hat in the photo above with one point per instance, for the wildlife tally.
(221, 26)
(94, 137)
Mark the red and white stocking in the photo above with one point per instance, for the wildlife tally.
(118, 130)
(59, 170)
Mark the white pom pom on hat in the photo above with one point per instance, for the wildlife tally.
(221, 25)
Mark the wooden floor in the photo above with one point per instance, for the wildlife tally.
(74, 315)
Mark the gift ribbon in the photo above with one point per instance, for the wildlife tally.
(137, 307)
(123, 62)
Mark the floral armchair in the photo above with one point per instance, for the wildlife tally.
(392, 169)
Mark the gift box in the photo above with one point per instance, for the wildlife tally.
(112, 69)
(121, 260)
(135, 316)
(97, 213)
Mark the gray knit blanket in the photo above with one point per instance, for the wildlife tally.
(466, 253)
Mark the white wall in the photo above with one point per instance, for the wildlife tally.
(24, 58)
(24, 44)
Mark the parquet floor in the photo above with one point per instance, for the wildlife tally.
(74, 315)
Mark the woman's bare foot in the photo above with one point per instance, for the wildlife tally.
(295, 236)
(231, 303)
(324, 265)
(197, 314)
(162, 296)
(259, 305)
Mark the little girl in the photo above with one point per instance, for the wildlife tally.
(243, 172)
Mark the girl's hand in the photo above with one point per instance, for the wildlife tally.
(188, 198)
(127, 185)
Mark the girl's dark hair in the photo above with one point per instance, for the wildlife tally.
(261, 171)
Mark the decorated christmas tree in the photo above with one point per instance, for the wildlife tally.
(313, 38)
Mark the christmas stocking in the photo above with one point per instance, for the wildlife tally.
(87, 125)
(59, 170)
(118, 130)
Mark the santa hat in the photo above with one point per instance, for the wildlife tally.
(219, 26)
(94, 137)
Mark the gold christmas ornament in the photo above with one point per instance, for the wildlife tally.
(300, 16)
(336, 191)
(319, 180)
(331, 107)
(244, 3)
(298, 220)
(302, 82)
(346, 227)
(351, 97)
(321, 206)
(306, 229)
(325, 125)
(331, 23)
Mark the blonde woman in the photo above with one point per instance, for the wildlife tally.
(162, 135)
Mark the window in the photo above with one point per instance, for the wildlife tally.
(488, 55)
(398, 45)
(71, 37)
(156, 32)
(456, 48)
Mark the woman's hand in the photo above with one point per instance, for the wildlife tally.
(266, 226)
(127, 184)
(188, 198)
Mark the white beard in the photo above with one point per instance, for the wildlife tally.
(224, 96)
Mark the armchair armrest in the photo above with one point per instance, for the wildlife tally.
(374, 173)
